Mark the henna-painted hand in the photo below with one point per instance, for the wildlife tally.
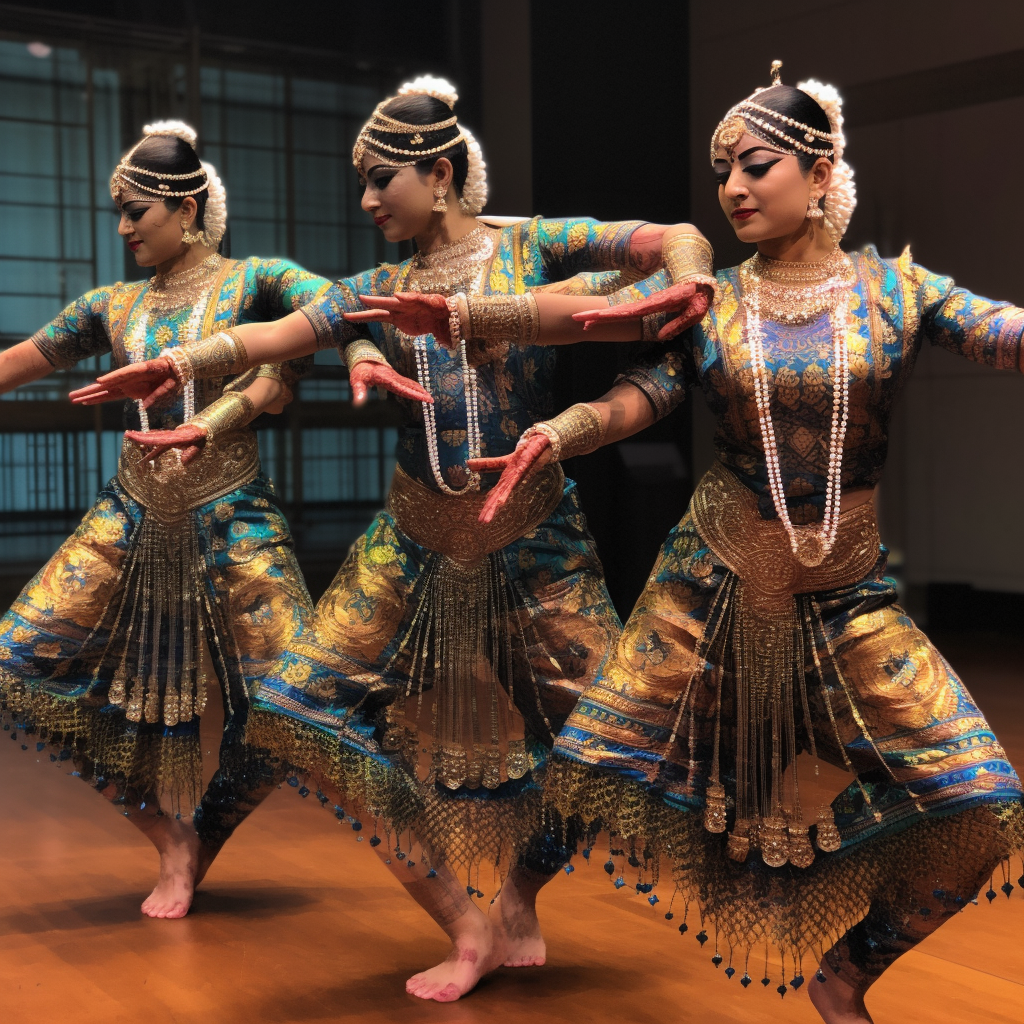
(515, 468)
(189, 437)
(691, 301)
(367, 374)
(413, 313)
(151, 381)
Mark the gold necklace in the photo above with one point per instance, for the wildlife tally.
(170, 293)
(452, 268)
(796, 293)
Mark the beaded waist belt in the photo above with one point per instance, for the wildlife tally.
(170, 490)
(772, 630)
(450, 525)
(758, 551)
(158, 615)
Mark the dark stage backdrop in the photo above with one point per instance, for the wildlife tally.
(611, 141)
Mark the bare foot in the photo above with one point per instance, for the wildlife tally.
(517, 912)
(472, 956)
(836, 1000)
(179, 848)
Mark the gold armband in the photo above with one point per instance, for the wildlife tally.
(689, 257)
(271, 371)
(228, 412)
(362, 351)
(217, 356)
(508, 318)
(576, 431)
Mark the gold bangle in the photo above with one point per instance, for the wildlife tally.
(576, 431)
(217, 356)
(512, 318)
(362, 351)
(228, 412)
(688, 256)
(180, 365)
(271, 371)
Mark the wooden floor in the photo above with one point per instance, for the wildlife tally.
(298, 922)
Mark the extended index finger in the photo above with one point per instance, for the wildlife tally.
(367, 315)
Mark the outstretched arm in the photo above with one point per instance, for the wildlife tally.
(228, 352)
(22, 364)
(233, 410)
(683, 289)
(582, 428)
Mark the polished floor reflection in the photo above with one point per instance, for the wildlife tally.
(298, 922)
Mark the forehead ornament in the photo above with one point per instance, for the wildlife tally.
(730, 131)
(778, 130)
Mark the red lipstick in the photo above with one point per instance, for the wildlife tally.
(742, 213)
(134, 245)
(382, 220)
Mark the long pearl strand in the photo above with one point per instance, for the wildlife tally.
(470, 386)
(136, 351)
(809, 546)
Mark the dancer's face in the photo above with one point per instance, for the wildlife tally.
(401, 199)
(763, 191)
(154, 233)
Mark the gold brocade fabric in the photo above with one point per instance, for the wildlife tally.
(465, 635)
(768, 660)
(102, 655)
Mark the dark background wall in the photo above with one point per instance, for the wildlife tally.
(604, 110)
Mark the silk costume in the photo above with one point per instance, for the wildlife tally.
(935, 806)
(444, 657)
(62, 640)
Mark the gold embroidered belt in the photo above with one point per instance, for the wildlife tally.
(757, 550)
(155, 647)
(450, 525)
(770, 633)
(170, 490)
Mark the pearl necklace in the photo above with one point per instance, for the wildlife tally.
(135, 345)
(810, 546)
(475, 252)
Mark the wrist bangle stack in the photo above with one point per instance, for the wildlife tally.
(576, 431)
(689, 256)
(217, 356)
(228, 412)
(362, 351)
(512, 318)
(180, 365)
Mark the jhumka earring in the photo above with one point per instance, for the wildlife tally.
(814, 211)
(189, 237)
(440, 204)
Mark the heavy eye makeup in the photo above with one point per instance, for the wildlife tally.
(133, 213)
(382, 180)
(761, 169)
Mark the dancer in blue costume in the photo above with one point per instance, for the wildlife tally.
(768, 626)
(445, 656)
(102, 655)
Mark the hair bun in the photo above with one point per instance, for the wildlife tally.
(176, 128)
(428, 85)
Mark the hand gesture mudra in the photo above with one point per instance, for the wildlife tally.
(368, 374)
(149, 381)
(413, 313)
(189, 438)
(533, 453)
(690, 300)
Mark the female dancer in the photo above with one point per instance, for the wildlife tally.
(446, 654)
(102, 655)
(768, 625)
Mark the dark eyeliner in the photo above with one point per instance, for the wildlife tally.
(760, 170)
